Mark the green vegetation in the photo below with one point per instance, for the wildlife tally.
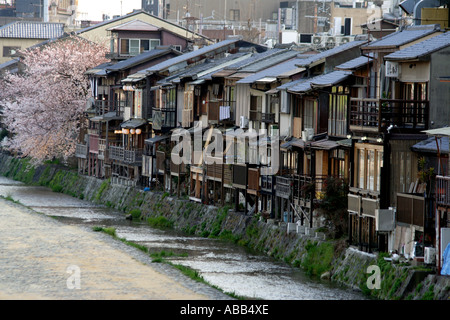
(136, 213)
(160, 222)
(318, 258)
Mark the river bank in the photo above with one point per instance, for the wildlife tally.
(316, 256)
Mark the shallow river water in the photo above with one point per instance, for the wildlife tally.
(225, 265)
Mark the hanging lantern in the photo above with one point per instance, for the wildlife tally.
(125, 131)
(132, 131)
(138, 131)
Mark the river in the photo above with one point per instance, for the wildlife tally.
(230, 267)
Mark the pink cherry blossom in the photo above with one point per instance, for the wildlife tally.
(43, 105)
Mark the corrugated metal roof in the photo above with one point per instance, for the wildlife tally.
(306, 61)
(354, 63)
(422, 48)
(32, 30)
(409, 34)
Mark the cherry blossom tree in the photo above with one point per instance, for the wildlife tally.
(42, 106)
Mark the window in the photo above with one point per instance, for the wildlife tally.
(134, 47)
(235, 15)
(309, 114)
(10, 51)
(337, 118)
(369, 161)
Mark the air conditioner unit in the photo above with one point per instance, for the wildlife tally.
(430, 255)
(330, 42)
(317, 40)
(344, 40)
(244, 122)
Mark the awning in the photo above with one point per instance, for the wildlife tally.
(438, 132)
(324, 144)
(294, 142)
(107, 116)
(156, 139)
(133, 123)
(431, 145)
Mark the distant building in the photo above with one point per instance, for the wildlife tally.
(24, 34)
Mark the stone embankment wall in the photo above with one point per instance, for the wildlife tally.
(330, 260)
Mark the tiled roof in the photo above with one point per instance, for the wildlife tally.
(274, 71)
(191, 55)
(32, 30)
(324, 80)
(422, 48)
(354, 63)
(429, 145)
(269, 61)
(407, 35)
(143, 57)
(331, 52)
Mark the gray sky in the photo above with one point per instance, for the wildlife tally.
(94, 9)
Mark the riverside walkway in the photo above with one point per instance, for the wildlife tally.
(41, 259)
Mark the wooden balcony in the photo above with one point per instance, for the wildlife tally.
(228, 175)
(283, 187)
(93, 143)
(253, 180)
(177, 169)
(105, 106)
(81, 151)
(411, 209)
(214, 169)
(443, 191)
(164, 119)
(363, 202)
(376, 115)
(240, 176)
(125, 156)
(160, 162)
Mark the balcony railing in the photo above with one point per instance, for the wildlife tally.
(268, 183)
(214, 168)
(253, 179)
(164, 118)
(303, 188)
(411, 209)
(443, 190)
(283, 187)
(177, 169)
(378, 114)
(126, 156)
(104, 106)
(268, 117)
(81, 151)
(363, 203)
(160, 162)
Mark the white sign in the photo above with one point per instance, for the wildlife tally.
(392, 69)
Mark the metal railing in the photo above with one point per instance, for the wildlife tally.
(443, 190)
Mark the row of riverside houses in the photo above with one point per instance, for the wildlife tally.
(358, 112)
